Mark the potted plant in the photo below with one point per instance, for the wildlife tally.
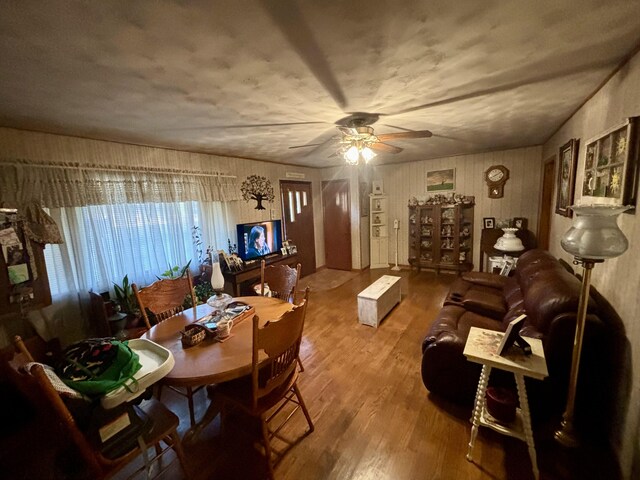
(127, 301)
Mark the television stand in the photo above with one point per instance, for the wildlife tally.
(251, 272)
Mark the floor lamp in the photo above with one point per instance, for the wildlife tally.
(396, 226)
(593, 238)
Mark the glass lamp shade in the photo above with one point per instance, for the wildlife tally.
(367, 154)
(509, 242)
(352, 155)
(220, 300)
(595, 234)
(217, 280)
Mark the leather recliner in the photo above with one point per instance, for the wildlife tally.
(549, 294)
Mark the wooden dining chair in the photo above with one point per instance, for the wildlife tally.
(165, 298)
(281, 279)
(273, 381)
(33, 378)
(283, 284)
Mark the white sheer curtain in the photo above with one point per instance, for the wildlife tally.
(103, 243)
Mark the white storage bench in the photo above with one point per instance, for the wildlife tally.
(375, 301)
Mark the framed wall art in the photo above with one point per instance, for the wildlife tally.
(441, 180)
(567, 177)
(489, 222)
(520, 223)
(611, 166)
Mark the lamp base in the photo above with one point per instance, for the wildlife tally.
(219, 301)
(566, 436)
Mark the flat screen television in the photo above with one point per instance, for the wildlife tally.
(258, 239)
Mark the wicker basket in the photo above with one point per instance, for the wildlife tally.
(193, 335)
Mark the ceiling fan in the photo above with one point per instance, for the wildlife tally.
(357, 139)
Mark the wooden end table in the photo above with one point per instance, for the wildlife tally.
(480, 348)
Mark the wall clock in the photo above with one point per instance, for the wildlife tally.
(496, 176)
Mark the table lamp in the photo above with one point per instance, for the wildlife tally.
(220, 300)
(508, 242)
(593, 238)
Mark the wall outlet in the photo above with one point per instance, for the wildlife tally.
(396, 224)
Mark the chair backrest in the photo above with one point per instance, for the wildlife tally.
(275, 351)
(164, 298)
(99, 315)
(40, 391)
(282, 280)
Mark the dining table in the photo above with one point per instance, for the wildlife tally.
(212, 361)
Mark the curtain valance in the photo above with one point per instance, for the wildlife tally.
(56, 185)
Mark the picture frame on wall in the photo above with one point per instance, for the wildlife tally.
(377, 187)
(441, 180)
(566, 182)
(489, 222)
(520, 223)
(611, 166)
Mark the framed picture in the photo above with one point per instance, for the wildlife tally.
(611, 166)
(511, 335)
(377, 187)
(507, 266)
(567, 177)
(520, 223)
(441, 180)
(489, 222)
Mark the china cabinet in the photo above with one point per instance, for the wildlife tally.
(441, 236)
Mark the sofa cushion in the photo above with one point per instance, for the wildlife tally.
(485, 279)
(553, 292)
(482, 303)
(483, 296)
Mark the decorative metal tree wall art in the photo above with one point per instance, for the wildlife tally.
(257, 188)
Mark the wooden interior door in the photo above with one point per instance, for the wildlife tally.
(546, 202)
(336, 209)
(297, 216)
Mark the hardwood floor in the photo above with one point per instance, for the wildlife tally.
(373, 417)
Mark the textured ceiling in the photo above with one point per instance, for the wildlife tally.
(481, 75)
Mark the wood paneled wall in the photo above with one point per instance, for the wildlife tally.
(617, 279)
(43, 147)
(521, 192)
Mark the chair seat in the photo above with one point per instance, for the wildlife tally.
(239, 392)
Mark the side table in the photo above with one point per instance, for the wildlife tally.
(480, 348)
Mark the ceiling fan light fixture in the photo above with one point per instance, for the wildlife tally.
(367, 154)
(352, 155)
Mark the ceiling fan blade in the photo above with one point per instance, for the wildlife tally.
(385, 147)
(416, 134)
(254, 125)
(307, 145)
(287, 16)
(334, 154)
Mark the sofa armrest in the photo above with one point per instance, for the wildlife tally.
(485, 279)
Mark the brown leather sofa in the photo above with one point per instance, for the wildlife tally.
(544, 289)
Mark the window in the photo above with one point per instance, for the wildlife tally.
(103, 243)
